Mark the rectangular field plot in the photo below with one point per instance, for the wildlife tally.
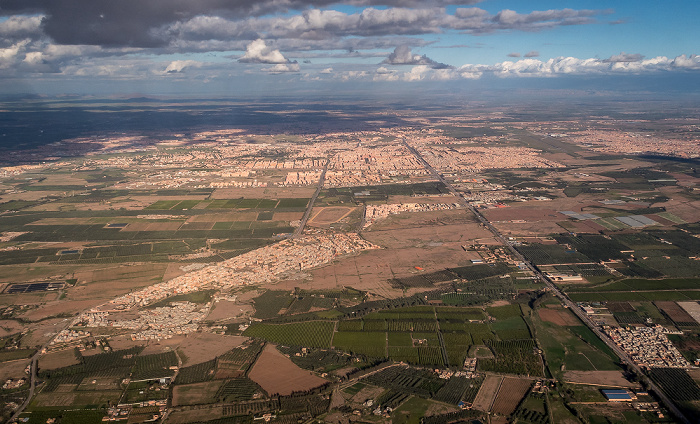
(487, 393)
(454, 390)
(186, 204)
(310, 334)
(676, 383)
(292, 203)
(33, 287)
(544, 254)
(408, 380)
(648, 296)
(512, 391)
(511, 329)
(198, 393)
(243, 204)
(513, 357)
(677, 314)
(163, 205)
(362, 343)
(75, 400)
(692, 308)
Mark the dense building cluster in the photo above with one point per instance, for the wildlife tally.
(477, 158)
(648, 346)
(258, 266)
(262, 265)
(373, 213)
(615, 141)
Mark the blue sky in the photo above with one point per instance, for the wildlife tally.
(225, 46)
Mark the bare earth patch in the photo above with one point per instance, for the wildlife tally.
(224, 310)
(60, 307)
(191, 416)
(192, 394)
(557, 316)
(8, 327)
(329, 215)
(202, 347)
(13, 369)
(124, 342)
(43, 331)
(287, 216)
(600, 378)
(276, 373)
(161, 346)
(59, 359)
(487, 393)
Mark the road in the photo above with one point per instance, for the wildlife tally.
(298, 232)
(573, 307)
(33, 374)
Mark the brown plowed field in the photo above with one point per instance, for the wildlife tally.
(276, 373)
(557, 316)
(675, 312)
(53, 360)
(487, 393)
(512, 391)
(287, 216)
(202, 347)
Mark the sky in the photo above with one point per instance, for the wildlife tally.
(271, 47)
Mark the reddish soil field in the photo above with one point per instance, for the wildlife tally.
(287, 216)
(552, 316)
(276, 373)
(675, 312)
(509, 396)
(557, 316)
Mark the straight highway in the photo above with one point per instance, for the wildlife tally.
(298, 232)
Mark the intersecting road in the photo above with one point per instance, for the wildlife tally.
(558, 293)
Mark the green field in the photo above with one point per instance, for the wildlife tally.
(311, 334)
(572, 348)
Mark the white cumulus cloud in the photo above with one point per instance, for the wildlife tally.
(178, 66)
(258, 52)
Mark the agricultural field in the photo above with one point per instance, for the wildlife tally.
(440, 316)
(420, 335)
(509, 395)
(570, 346)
